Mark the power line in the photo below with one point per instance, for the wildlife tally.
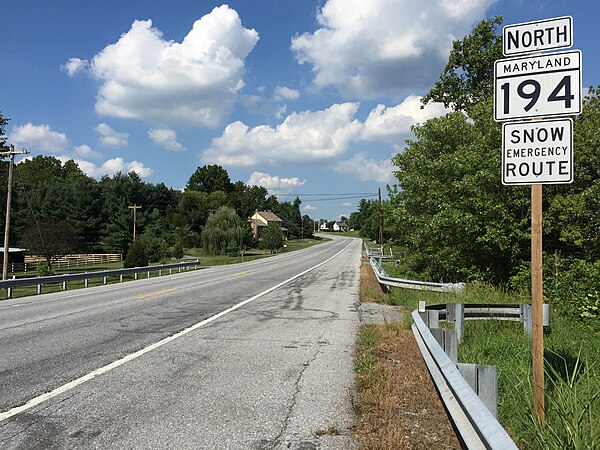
(328, 197)
(326, 194)
(335, 198)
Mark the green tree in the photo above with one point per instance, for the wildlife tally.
(271, 238)
(50, 239)
(450, 209)
(44, 187)
(178, 251)
(247, 199)
(223, 233)
(210, 179)
(291, 216)
(469, 74)
(308, 226)
(156, 248)
(136, 255)
(3, 123)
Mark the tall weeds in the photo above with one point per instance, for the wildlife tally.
(572, 400)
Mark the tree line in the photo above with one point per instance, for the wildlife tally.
(449, 212)
(58, 209)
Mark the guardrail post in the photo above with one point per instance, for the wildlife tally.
(546, 314)
(431, 318)
(135, 276)
(8, 292)
(526, 317)
(148, 274)
(160, 272)
(484, 381)
(86, 282)
(38, 289)
(64, 286)
(446, 338)
(121, 278)
(421, 306)
(105, 280)
(459, 320)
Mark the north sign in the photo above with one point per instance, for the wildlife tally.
(537, 152)
(537, 86)
(528, 37)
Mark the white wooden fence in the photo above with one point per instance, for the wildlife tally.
(33, 263)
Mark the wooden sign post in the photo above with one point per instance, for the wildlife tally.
(537, 301)
(536, 87)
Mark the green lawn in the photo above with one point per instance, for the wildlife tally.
(251, 254)
(352, 233)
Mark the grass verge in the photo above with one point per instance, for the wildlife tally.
(396, 403)
(572, 346)
(251, 254)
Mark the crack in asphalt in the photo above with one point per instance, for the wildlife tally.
(292, 404)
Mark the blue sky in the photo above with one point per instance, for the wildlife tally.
(303, 97)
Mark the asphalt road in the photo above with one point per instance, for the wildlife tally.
(249, 356)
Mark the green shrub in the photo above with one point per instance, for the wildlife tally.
(136, 255)
(178, 251)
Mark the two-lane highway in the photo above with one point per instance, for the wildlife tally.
(256, 355)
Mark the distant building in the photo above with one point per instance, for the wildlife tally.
(340, 226)
(261, 219)
(15, 255)
(323, 227)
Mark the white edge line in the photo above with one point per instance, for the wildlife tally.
(59, 390)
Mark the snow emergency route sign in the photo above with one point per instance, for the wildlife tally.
(537, 86)
(537, 152)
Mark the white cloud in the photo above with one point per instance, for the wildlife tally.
(309, 208)
(85, 151)
(304, 137)
(196, 81)
(347, 204)
(110, 137)
(273, 183)
(369, 48)
(281, 112)
(166, 138)
(393, 124)
(38, 138)
(110, 167)
(75, 65)
(367, 169)
(285, 93)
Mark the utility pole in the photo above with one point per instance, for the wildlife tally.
(380, 222)
(11, 154)
(135, 208)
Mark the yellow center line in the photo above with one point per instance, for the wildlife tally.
(240, 274)
(156, 293)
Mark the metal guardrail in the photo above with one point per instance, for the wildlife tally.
(458, 313)
(86, 276)
(375, 258)
(476, 425)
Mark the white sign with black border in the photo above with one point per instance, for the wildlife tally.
(537, 86)
(537, 152)
(529, 37)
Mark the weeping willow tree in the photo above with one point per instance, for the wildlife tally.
(224, 232)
